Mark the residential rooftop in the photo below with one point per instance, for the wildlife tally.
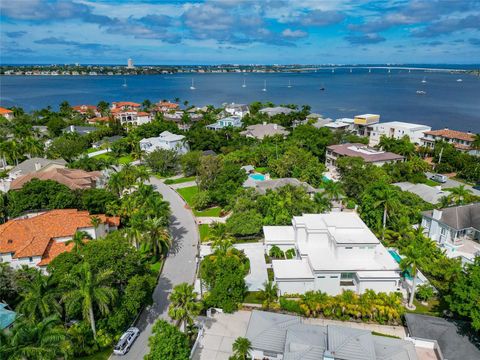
(452, 134)
(35, 236)
(368, 154)
(290, 336)
(35, 164)
(406, 125)
(260, 131)
(458, 217)
(430, 194)
(72, 178)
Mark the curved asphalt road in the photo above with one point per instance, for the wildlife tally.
(180, 266)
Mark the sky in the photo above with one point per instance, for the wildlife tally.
(239, 31)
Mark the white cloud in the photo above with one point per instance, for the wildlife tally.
(294, 34)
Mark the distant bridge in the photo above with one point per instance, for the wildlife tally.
(352, 68)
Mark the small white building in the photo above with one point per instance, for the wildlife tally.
(231, 121)
(166, 141)
(397, 130)
(334, 252)
(239, 110)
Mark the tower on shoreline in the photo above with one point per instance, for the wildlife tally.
(130, 64)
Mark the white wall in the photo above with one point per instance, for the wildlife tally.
(378, 286)
(295, 287)
(328, 283)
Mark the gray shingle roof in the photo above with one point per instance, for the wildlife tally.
(427, 193)
(460, 217)
(349, 343)
(455, 340)
(288, 335)
(274, 184)
(28, 166)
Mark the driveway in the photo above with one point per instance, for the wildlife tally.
(450, 183)
(258, 267)
(180, 266)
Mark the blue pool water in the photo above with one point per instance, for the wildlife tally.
(326, 178)
(257, 177)
(397, 258)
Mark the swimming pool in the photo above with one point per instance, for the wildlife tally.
(398, 258)
(257, 177)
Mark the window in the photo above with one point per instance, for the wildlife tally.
(334, 277)
(443, 231)
(30, 259)
(348, 248)
(321, 277)
(346, 279)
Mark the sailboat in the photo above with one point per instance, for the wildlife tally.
(333, 70)
(193, 86)
(350, 71)
(424, 80)
(369, 71)
(124, 83)
(289, 84)
(244, 85)
(389, 71)
(264, 85)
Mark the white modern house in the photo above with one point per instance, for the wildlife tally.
(397, 130)
(456, 229)
(233, 121)
(334, 251)
(167, 141)
(239, 110)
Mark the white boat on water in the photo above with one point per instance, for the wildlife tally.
(124, 83)
(264, 85)
(421, 92)
(289, 84)
(244, 85)
(424, 80)
(193, 86)
(459, 80)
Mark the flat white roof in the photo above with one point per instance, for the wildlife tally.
(366, 115)
(407, 125)
(345, 120)
(292, 269)
(279, 234)
(336, 124)
(377, 274)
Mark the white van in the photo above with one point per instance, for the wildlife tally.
(439, 178)
(126, 341)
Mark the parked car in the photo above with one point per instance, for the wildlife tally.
(126, 341)
(477, 186)
(439, 178)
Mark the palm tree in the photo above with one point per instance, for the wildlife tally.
(476, 142)
(32, 147)
(115, 183)
(241, 348)
(89, 290)
(388, 200)
(460, 195)
(39, 300)
(184, 306)
(333, 190)
(30, 339)
(269, 294)
(78, 241)
(157, 236)
(96, 221)
(413, 255)
(445, 201)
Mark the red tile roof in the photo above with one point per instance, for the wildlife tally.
(451, 134)
(98, 120)
(84, 108)
(73, 178)
(126, 103)
(167, 104)
(35, 236)
(4, 111)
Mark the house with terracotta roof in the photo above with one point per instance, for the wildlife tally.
(7, 114)
(166, 106)
(98, 120)
(74, 179)
(131, 116)
(368, 154)
(462, 141)
(86, 110)
(36, 240)
(125, 105)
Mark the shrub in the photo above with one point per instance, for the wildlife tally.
(290, 253)
(168, 343)
(424, 292)
(290, 305)
(350, 204)
(275, 252)
(201, 200)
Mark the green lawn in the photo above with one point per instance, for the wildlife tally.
(127, 159)
(253, 297)
(431, 183)
(262, 170)
(204, 230)
(211, 212)
(92, 150)
(188, 193)
(102, 156)
(180, 180)
(156, 266)
(102, 355)
(434, 308)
